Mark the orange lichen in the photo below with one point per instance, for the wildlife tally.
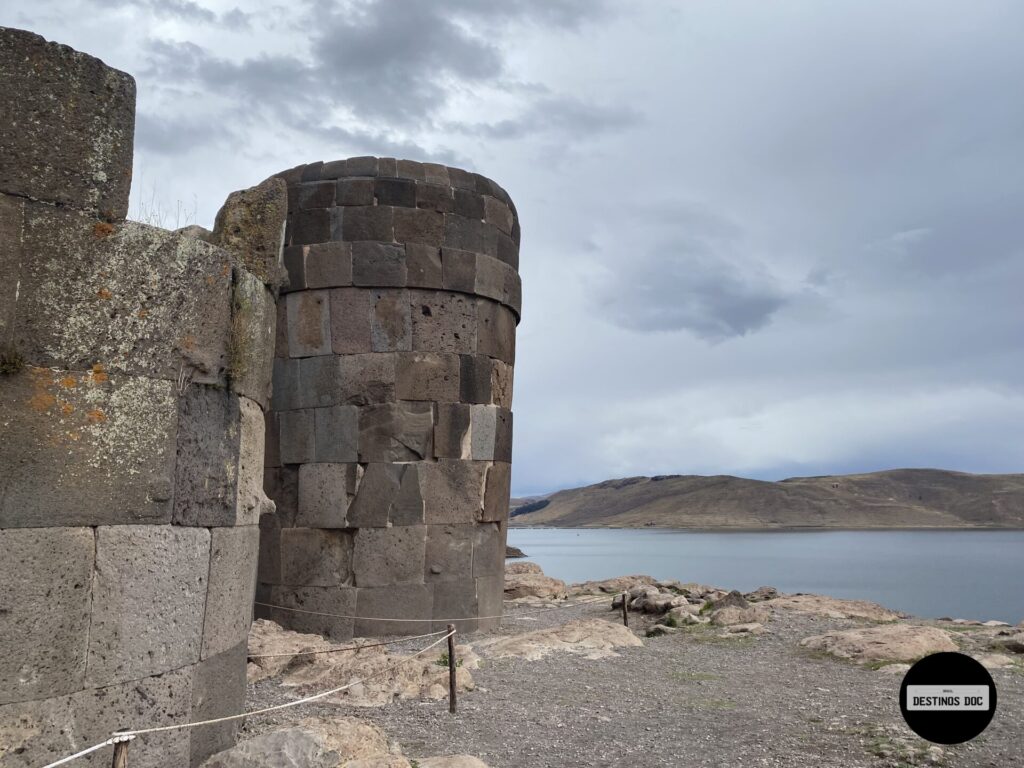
(67, 408)
(95, 416)
(225, 270)
(142, 313)
(98, 374)
(104, 293)
(69, 382)
(188, 342)
(102, 229)
(41, 401)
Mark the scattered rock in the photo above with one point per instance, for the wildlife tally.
(967, 622)
(895, 669)
(611, 586)
(895, 642)
(1014, 643)
(834, 608)
(753, 628)
(994, 660)
(729, 615)
(994, 623)
(266, 637)
(661, 629)
(513, 552)
(592, 638)
(732, 600)
(762, 593)
(528, 580)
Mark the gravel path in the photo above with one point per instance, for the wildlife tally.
(685, 699)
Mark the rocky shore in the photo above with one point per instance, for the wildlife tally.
(703, 676)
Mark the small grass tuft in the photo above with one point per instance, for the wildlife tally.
(11, 360)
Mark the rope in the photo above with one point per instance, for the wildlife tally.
(88, 750)
(346, 648)
(433, 621)
(314, 697)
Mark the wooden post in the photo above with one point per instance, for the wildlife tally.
(120, 754)
(451, 669)
(625, 609)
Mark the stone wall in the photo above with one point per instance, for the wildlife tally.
(390, 438)
(134, 369)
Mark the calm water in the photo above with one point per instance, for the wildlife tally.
(963, 574)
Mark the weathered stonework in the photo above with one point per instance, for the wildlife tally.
(392, 384)
(137, 364)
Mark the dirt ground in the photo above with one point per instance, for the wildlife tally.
(689, 698)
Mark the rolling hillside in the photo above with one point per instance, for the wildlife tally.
(899, 498)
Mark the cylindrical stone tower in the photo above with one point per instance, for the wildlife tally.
(390, 437)
(134, 367)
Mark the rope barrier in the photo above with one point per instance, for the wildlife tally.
(346, 648)
(438, 621)
(121, 736)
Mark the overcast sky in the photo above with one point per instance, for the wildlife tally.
(759, 238)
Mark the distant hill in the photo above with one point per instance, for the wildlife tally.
(899, 498)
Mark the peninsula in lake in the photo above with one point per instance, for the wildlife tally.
(899, 498)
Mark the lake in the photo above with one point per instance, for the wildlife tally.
(962, 574)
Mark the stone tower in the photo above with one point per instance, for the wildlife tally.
(134, 369)
(390, 437)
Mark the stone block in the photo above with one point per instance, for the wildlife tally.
(508, 250)
(12, 216)
(280, 332)
(293, 175)
(463, 233)
(461, 179)
(334, 600)
(454, 601)
(450, 555)
(497, 493)
(410, 169)
(396, 432)
(334, 169)
(309, 323)
(503, 436)
(311, 172)
(398, 601)
(419, 225)
(408, 506)
(469, 204)
(490, 277)
(390, 321)
(496, 331)
(355, 192)
(351, 315)
(397, 192)
(387, 556)
(367, 379)
(314, 194)
(250, 497)
(135, 299)
(285, 387)
(377, 493)
(271, 441)
(361, 166)
(312, 225)
(268, 569)
(298, 445)
(319, 381)
(325, 491)
(483, 428)
(501, 384)
(443, 322)
(232, 582)
(475, 378)
(378, 265)
(488, 550)
(513, 292)
(423, 266)
(44, 611)
(85, 448)
(316, 557)
(516, 236)
(328, 265)
(367, 222)
(498, 214)
(337, 434)
(387, 167)
(250, 349)
(453, 491)
(149, 596)
(490, 591)
(68, 127)
(459, 270)
(218, 690)
(250, 226)
(40, 732)
(435, 197)
(427, 376)
(436, 173)
(452, 431)
(282, 486)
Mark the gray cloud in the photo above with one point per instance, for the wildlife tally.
(565, 115)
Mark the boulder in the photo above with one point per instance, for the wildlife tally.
(994, 623)
(761, 593)
(834, 608)
(517, 569)
(524, 580)
(753, 628)
(995, 660)
(893, 642)
(611, 586)
(311, 743)
(513, 552)
(730, 614)
(732, 600)
(591, 638)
